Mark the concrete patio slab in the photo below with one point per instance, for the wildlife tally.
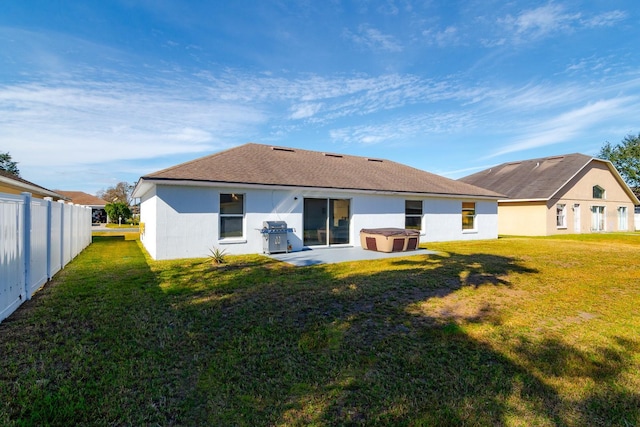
(317, 256)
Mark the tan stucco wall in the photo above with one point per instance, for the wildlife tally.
(579, 191)
(9, 189)
(522, 219)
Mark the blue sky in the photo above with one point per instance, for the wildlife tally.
(97, 92)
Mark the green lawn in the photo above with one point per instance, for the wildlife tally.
(516, 331)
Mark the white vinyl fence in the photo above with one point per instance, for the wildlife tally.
(37, 239)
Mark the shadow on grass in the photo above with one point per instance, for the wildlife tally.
(97, 239)
(118, 340)
(611, 402)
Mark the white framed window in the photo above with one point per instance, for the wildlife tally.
(468, 216)
(597, 218)
(413, 214)
(623, 222)
(561, 215)
(231, 215)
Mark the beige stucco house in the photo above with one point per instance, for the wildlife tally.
(12, 184)
(573, 193)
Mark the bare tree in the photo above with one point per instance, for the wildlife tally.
(120, 193)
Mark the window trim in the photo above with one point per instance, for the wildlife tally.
(408, 215)
(603, 195)
(561, 214)
(623, 220)
(222, 216)
(474, 227)
(601, 217)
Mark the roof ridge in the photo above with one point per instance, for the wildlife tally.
(555, 156)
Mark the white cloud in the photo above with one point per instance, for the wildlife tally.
(390, 8)
(303, 111)
(539, 22)
(71, 125)
(412, 127)
(606, 19)
(567, 126)
(192, 135)
(373, 39)
(332, 97)
(447, 37)
(550, 19)
(78, 122)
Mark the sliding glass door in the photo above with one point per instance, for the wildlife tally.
(326, 221)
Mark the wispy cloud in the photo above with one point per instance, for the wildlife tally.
(325, 98)
(373, 39)
(303, 111)
(566, 126)
(448, 37)
(125, 120)
(403, 128)
(539, 22)
(71, 124)
(553, 18)
(606, 19)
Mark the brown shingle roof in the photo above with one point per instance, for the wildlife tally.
(265, 165)
(82, 198)
(530, 179)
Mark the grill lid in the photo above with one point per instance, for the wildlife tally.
(274, 225)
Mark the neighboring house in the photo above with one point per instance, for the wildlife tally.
(12, 184)
(98, 214)
(573, 193)
(220, 201)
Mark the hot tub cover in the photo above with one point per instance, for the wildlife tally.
(391, 231)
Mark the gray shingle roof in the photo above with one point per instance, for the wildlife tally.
(530, 179)
(266, 165)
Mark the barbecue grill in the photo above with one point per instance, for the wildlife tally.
(274, 237)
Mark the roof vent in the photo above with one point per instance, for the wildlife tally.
(333, 155)
(375, 160)
(290, 150)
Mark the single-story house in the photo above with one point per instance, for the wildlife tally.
(12, 184)
(98, 214)
(573, 193)
(221, 201)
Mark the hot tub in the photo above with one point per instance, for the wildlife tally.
(389, 239)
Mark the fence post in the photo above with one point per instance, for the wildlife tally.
(27, 243)
(49, 225)
(72, 227)
(61, 234)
